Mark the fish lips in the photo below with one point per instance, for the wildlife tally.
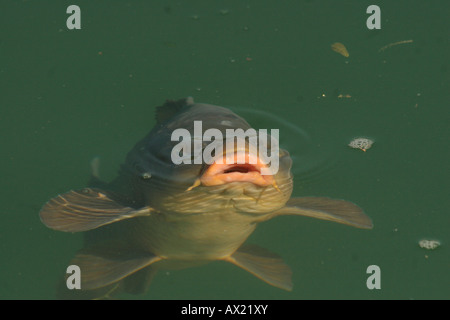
(239, 166)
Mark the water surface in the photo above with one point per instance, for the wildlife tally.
(68, 96)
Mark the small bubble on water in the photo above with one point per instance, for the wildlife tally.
(146, 175)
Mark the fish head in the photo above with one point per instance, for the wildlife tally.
(219, 171)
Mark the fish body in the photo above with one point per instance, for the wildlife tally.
(157, 214)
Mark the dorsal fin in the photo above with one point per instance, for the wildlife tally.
(171, 108)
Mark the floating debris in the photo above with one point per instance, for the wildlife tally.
(429, 244)
(340, 48)
(346, 96)
(394, 44)
(146, 175)
(361, 143)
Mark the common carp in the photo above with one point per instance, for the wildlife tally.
(160, 215)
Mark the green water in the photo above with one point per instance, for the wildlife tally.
(70, 95)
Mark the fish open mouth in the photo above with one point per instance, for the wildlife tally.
(228, 170)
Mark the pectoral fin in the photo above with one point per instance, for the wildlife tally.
(101, 270)
(86, 209)
(139, 282)
(340, 211)
(264, 264)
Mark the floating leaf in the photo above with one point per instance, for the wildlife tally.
(340, 48)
